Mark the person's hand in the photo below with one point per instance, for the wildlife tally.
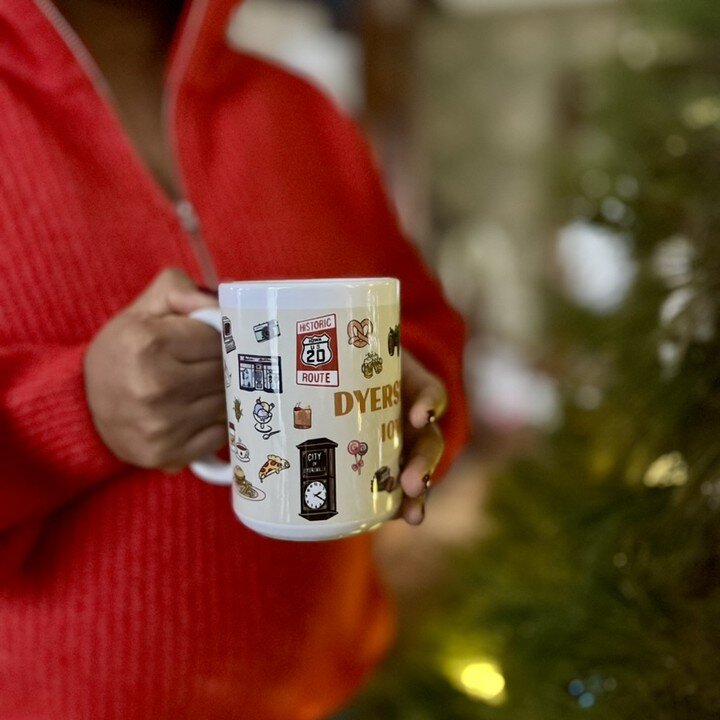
(154, 378)
(424, 399)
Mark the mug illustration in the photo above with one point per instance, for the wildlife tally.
(317, 479)
(384, 480)
(228, 340)
(302, 417)
(317, 352)
(372, 364)
(244, 487)
(273, 465)
(260, 372)
(358, 450)
(393, 340)
(239, 450)
(263, 415)
(359, 332)
(264, 331)
(237, 409)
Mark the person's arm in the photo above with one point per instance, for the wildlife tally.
(436, 423)
(147, 391)
(432, 334)
(49, 448)
(431, 329)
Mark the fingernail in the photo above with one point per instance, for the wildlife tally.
(430, 417)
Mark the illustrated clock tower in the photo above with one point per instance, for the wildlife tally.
(317, 479)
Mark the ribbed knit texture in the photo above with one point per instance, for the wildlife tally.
(128, 594)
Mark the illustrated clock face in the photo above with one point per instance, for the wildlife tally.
(315, 495)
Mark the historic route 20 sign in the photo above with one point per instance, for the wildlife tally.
(317, 351)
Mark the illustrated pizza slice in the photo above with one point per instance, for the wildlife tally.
(273, 464)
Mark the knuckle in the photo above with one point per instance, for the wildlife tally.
(155, 427)
(140, 339)
(149, 342)
(147, 388)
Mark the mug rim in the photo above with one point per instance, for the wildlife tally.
(329, 282)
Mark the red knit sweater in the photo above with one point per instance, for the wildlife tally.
(132, 594)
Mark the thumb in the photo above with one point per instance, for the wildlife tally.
(171, 291)
(183, 302)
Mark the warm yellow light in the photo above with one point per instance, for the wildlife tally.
(668, 470)
(483, 680)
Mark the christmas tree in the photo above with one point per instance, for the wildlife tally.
(597, 593)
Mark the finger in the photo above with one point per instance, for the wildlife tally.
(191, 381)
(412, 510)
(206, 441)
(154, 300)
(428, 404)
(186, 339)
(423, 456)
(423, 392)
(178, 424)
(200, 413)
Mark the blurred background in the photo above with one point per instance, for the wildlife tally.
(558, 162)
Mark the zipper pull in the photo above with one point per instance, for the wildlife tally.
(191, 224)
(188, 217)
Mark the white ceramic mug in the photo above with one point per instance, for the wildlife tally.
(312, 379)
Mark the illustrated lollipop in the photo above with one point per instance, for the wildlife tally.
(357, 449)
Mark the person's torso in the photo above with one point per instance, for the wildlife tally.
(146, 595)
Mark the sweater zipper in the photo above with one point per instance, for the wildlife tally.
(183, 207)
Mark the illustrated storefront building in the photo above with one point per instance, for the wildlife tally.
(260, 372)
(317, 479)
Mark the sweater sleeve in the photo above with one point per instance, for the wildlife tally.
(49, 449)
(430, 328)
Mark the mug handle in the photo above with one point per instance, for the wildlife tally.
(211, 469)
